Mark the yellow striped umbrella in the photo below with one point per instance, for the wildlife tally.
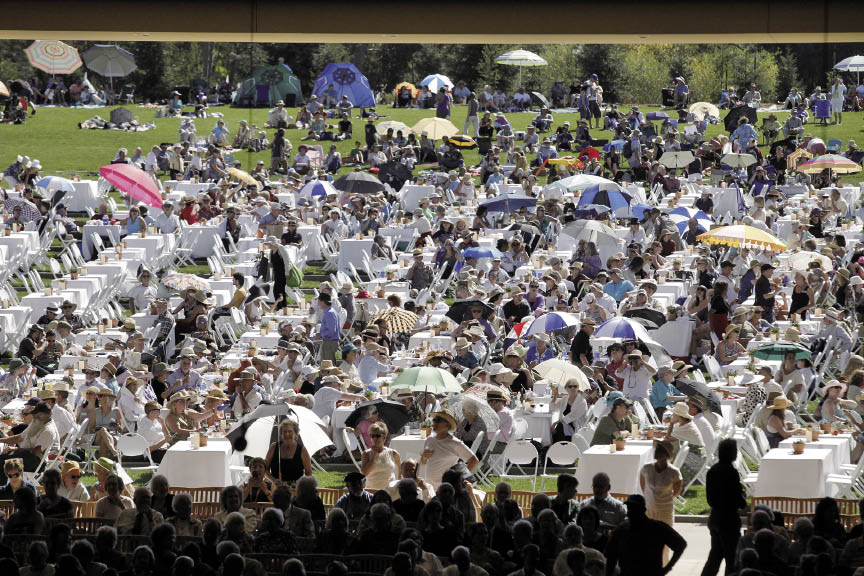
(792, 159)
(833, 162)
(741, 236)
(244, 177)
(53, 57)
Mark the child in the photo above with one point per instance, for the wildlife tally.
(357, 153)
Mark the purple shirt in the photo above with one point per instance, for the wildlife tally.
(538, 302)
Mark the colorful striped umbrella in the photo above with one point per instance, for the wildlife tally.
(53, 57)
(741, 236)
(4, 91)
(792, 159)
(833, 162)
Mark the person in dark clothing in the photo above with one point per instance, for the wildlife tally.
(517, 308)
(409, 506)
(637, 545)
(765, 292)
(564, 505)
(291, 237)
(581, 352)
(725, 495)
(371, 133)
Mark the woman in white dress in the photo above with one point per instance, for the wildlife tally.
(661, 482)
(573, 409)
(838, 96)
(379, 463)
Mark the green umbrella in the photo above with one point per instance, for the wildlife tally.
(427, 379)
(778, 350)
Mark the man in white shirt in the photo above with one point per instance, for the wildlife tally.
(498, 403)
(247, 397)
(40, 436)
(697, 405)
(832, 327)
(152, 428)
(329, 394)
(636, 375)
(151, 163)
(603, 300)
(442, 450)
(142, 295)
(63, 420)
(726, 268)
(167, 221)
(370, 366)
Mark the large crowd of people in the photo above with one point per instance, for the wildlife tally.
(638, 303)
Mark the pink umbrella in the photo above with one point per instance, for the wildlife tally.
(134, 182)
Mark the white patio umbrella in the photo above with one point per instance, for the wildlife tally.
(578, 182)
(109, 60)
(852, 64)
(677, 159)
(437, 81)
(520, 58)
(737, 160)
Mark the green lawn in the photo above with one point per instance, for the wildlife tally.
(54, 138)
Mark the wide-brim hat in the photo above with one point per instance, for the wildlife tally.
(835, 384)
(462, 343)
(68, 467)
(161, 368)
(732, 329)
(681, 409)
(110, 368)
(202, 298)
(176, 397)
(780, 403)
(448, 416)
(188, 353)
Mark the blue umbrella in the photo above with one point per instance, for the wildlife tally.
(346, 80)
(656, 116)
(481, 252)
(318, 188)
(610, 195)
(550, 322)
(621, 327)
(639, 210)
(589, 211)
(617, 144)
(54, 183)
(682, 215)
(509, 202)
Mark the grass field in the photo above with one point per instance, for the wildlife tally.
(54, 138)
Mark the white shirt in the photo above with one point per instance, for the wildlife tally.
(63, 420)
(506, 428)
(709, 437)
(576, 418)
(167, 224)
(253, 399)
(151, 430)
(422, 225)
(369, 367)
(447, 452)
(129, 405)
(325, 401)
(46, 439)
(636, 384)
(142, 296)
(151, 163)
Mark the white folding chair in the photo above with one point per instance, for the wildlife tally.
(351, 444)
(561, 454)
(133, 445)
(521, 453)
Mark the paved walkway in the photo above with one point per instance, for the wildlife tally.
(698, 544)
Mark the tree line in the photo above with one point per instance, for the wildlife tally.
(629, 73)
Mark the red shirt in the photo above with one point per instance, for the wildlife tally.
(188, 215)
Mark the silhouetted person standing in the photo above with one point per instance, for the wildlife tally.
(725, 495)
(637, 545)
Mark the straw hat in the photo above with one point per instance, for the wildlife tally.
(462, 343)
(106, 392)
(106, 464)
(447, 416)
(176, 397)
(681, 409)
(732, 329)
(792, 334)
(780, 403)
(68, 467)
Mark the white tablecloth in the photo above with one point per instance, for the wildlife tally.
(114, 230)
(408, 446)
(310, 236)
(201, 468)
(202, 239)
(782, 473)
(38, 302)
(434, 342)
(86, 195)
(353, 251)
(539, 422)
(268, 341)
(840, 446)
(19, 243)
(152, 245)
(622, 467)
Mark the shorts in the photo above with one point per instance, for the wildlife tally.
(594, 109)
(837, 106)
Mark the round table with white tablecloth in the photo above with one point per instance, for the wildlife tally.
(783, 473)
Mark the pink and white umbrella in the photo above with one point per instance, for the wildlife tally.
(134, 182)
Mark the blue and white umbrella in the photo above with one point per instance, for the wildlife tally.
(638, 210)
(578, 182)
(509, 202)
(620, 327)
(321, 188)
(55, 183)
(681, 217)
(616, 144)
(437, 81)
(481, 252)
(606, 194)
(550, 322)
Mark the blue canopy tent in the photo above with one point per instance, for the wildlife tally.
(268, 85)
(346, 80)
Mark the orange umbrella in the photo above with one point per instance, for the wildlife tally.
(399, 87)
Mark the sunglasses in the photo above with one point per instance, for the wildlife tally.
(571, 387)
(376, 435)
(438, 420)
(15, 475)
(75, 477)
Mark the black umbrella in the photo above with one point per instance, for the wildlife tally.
(690, 388)
(731, 120)
(525, 228)
(648, 324)
(393, 414)
(787, 143)
(653, 316)
(58, 195)
(21, 88)
(460, 310)
(359, 183)
(539, 98)
(394, 174)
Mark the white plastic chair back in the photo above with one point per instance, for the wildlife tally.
(683, 451)
(477, 441)
(562, 454)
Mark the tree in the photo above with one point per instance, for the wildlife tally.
(787, 73)
(562, 64)
(644, 72)
(601, 59)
